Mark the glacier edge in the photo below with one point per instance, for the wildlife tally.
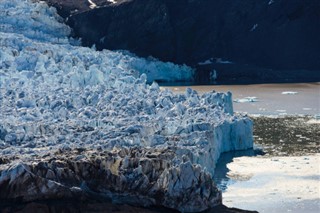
(75, 121)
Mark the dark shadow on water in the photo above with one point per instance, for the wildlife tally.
(71, 206)
(220, 176)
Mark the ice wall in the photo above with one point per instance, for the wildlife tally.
(56, 95)
(50, 87)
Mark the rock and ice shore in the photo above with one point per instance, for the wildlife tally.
(77, 123)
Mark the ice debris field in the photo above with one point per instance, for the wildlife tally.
(57, 96)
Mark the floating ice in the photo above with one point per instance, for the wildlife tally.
(315, 119)
(246, 99)
(282, 184)
(289, 93)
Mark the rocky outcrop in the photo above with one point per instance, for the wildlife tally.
(265, 40)
(133, 176)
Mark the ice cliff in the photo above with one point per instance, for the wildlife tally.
(77, 123)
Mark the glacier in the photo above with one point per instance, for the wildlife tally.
(71, 115)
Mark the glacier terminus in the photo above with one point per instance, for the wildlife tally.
(79, 123)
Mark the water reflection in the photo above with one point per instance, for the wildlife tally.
(220, 176)
(273, 137)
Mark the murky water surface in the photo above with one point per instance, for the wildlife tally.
(269, 99)
(287, 136)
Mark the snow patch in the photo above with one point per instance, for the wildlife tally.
(112, 1)
(92, 4)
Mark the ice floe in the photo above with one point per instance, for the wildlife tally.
(289, 93)
(246, 100)
(284, 184)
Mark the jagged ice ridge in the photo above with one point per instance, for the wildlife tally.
(56, 97)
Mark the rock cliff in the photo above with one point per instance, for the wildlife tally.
(266, 40)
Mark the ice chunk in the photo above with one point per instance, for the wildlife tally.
(289, 93)
(92, 4)
(112, 1)
(246, 99)
(206, 62)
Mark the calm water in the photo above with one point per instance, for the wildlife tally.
(270, 99)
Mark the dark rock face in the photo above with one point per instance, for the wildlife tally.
(276, 39)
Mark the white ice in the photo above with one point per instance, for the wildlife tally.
(279, 184)
(112, 1)
(92, 4)
(289, 93)
(246, 100)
